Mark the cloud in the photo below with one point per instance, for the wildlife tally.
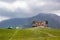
(50, 6)
(14, 5)
(8, 0)
(28, 8)
(57, 12)
(3, 18)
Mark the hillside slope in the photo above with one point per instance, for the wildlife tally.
(30, 34)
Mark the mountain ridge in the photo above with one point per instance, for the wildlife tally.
(27, 22)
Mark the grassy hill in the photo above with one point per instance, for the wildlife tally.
(30, 34)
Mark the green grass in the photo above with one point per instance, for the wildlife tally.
(30, 34)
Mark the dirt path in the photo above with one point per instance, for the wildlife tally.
(14, 34)
(51, 35)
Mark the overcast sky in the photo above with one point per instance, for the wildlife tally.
(27, 8)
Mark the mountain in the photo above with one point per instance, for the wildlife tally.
(53, 21)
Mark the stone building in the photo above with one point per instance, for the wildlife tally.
(39, 24)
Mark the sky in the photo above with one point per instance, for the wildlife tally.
(27, 8)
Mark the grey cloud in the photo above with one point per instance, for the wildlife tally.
(17, 14)
(50, 6)
(52, 0)
(33, 0)
(8, 0)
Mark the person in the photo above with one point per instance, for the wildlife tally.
(46, 23)
(33, 24)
